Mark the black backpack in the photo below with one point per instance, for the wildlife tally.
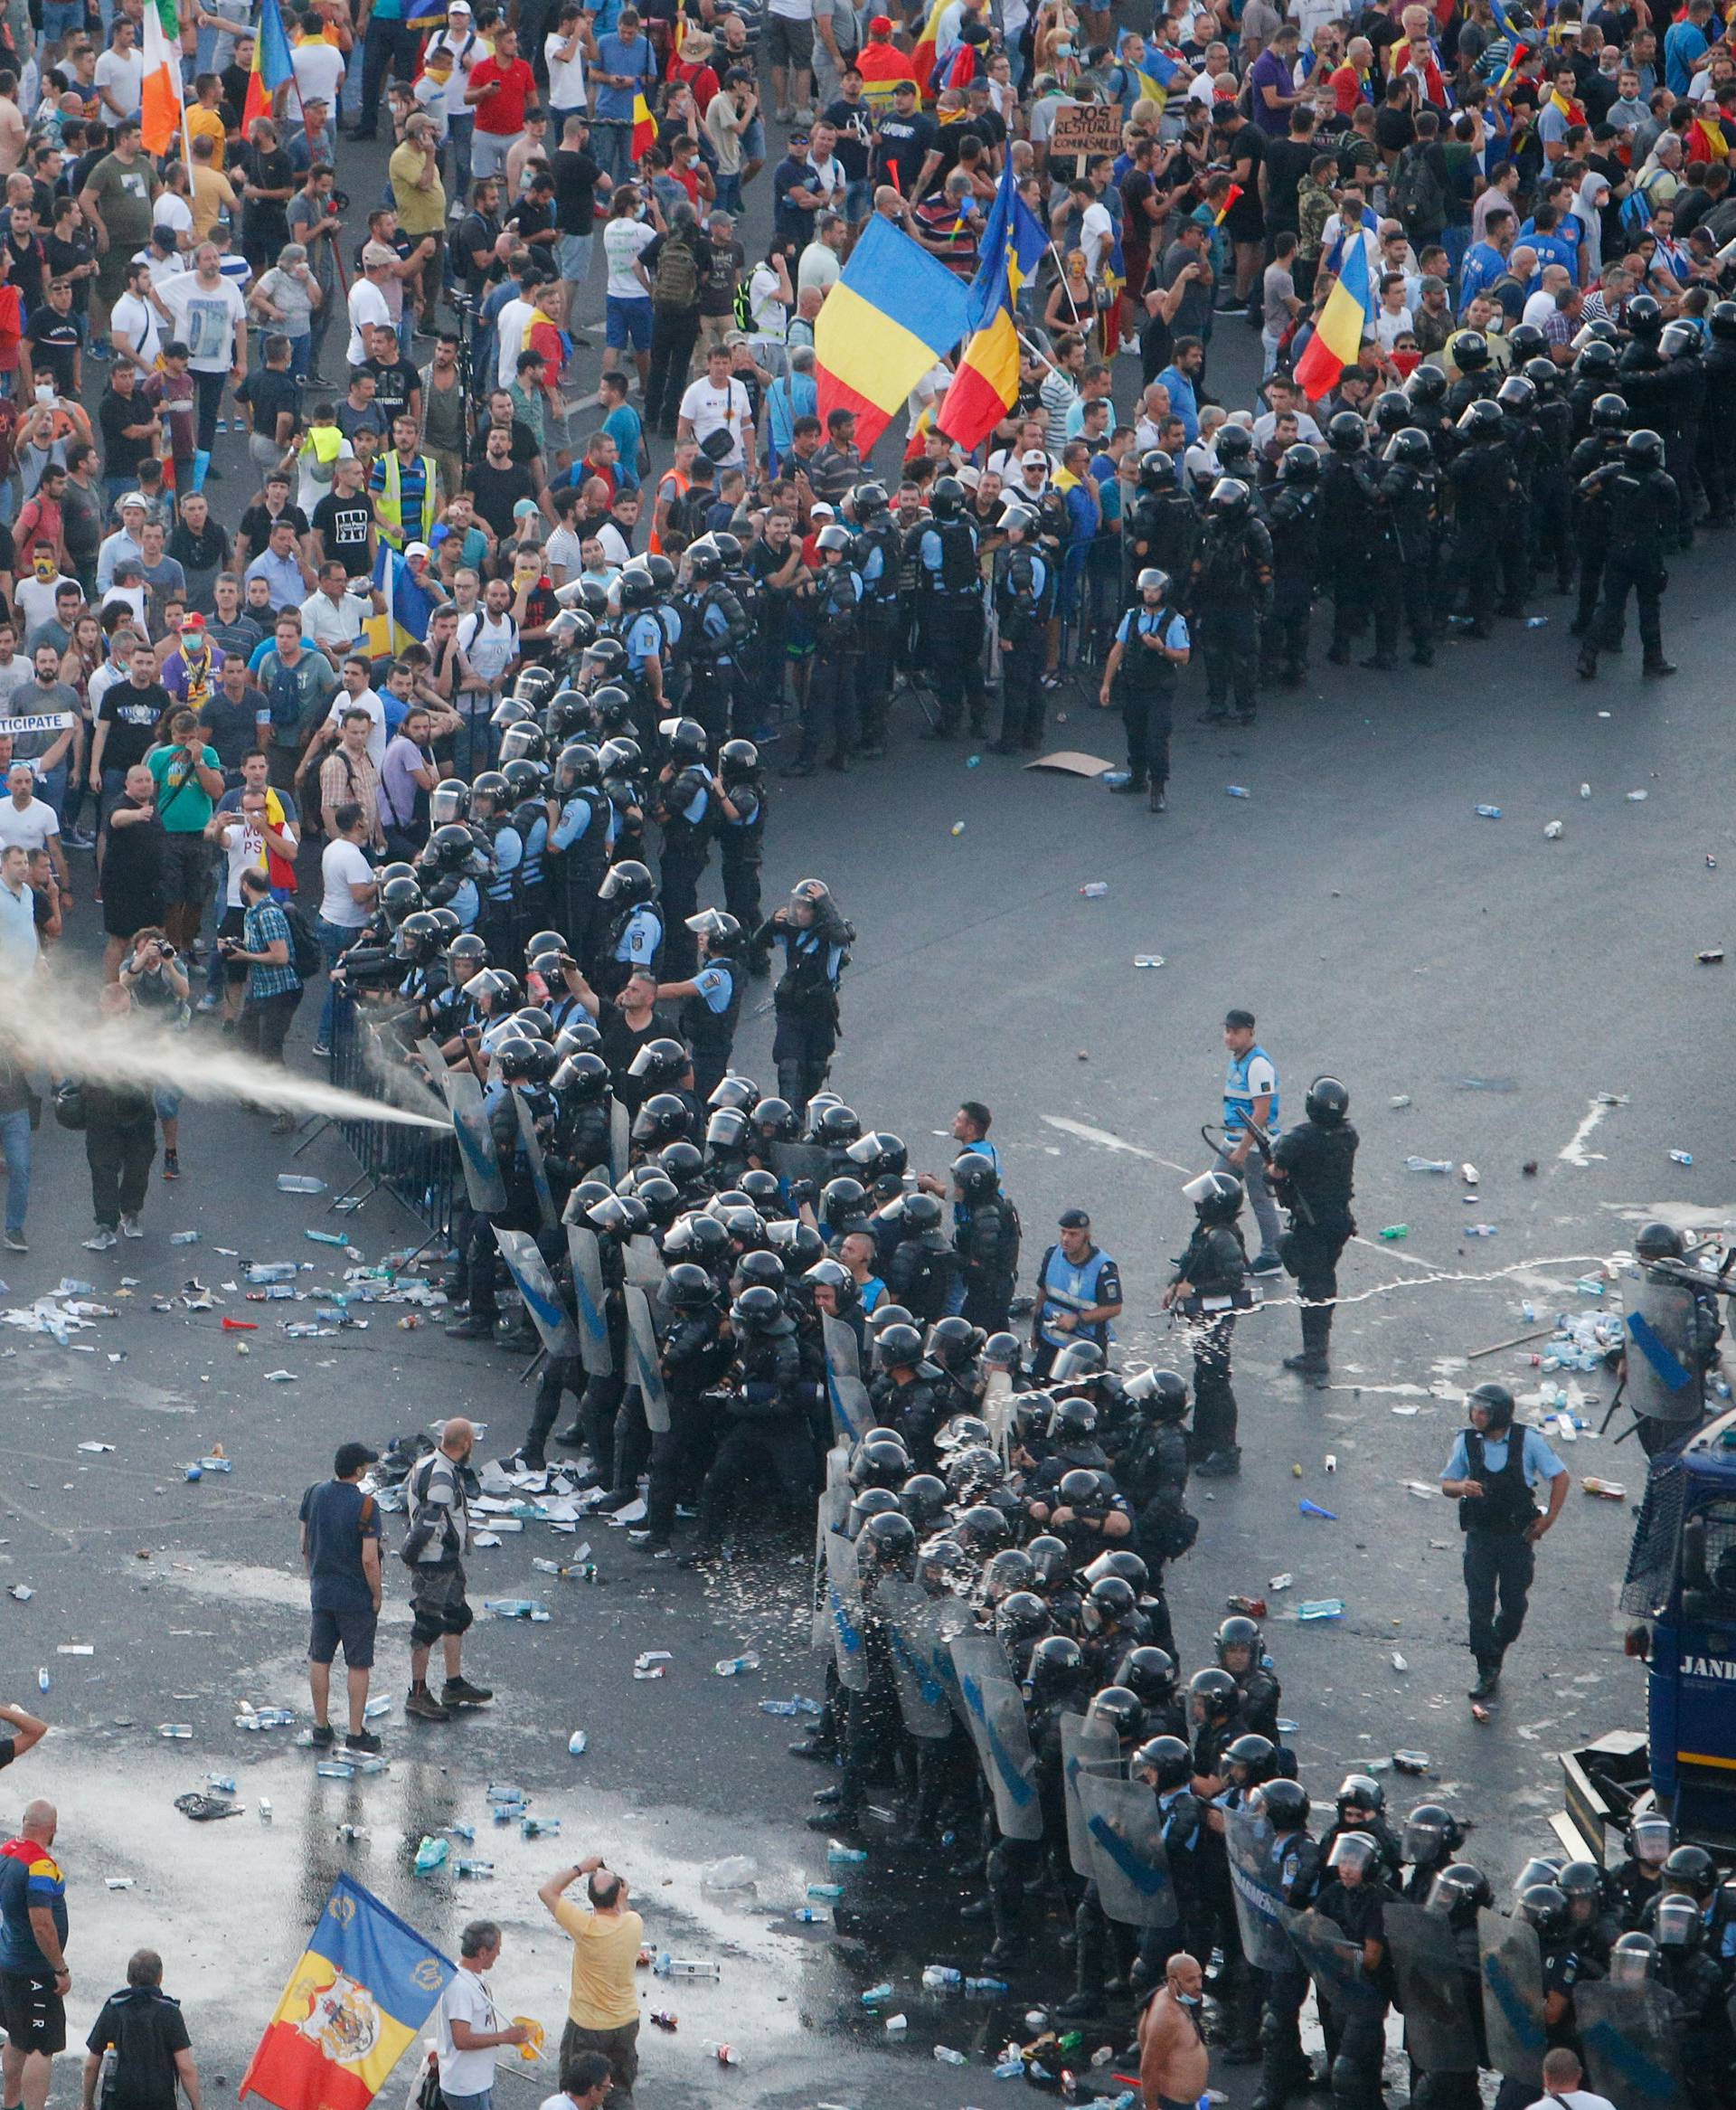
(1418, 198)
(307, 955)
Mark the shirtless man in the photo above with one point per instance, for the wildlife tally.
(1174, 2062)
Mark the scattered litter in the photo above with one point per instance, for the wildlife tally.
(202, 1809)
(948, 2056)
(1608, 1490)
(1428, 1164)
(184, 1238)
(281, 1377)
(577, 1743)
(1282, 1582)
(1148, 959)
(734, 1666)
(117, 1882)
(735, 1871)
(1481, 1231)
(1681, 1157)
(1552, 831)
(895, 2024)
(178, 1730)
(1634, 798)
(432, 1854)
(75, 1649)
(22, 1592)
(1095, 889)
(1585, 790)
(1238, 791)
(1536, 622)
(1396, 1231)
(1411, 1761)
(1420, 1488)
(1713, 956)
(650, 1656)
(844, 1856)
(1398, 1100)
(96, 1449)
(1488, 813)
(299, 1183)
(957, 827)
(1398, 1662)
(1313, 1608)
(668, 1967)
(1308, 1508)
(516, 1608)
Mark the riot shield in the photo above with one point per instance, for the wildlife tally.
(833, 1508)
(642, 1263)
(531, 1143)
(483, 1179)
(995, 1715)
(913, 1624)
(1439, 2030)
(542, 1300)
(850, 1414)
(620, 1144)
(589, 1300)
(1331, 1960)
(1630, 2036)
(798, 1160)
(1085, 1745)
(1248, 1837)
(1129, 1863)
(843, 1611)
(642, 1360)
(1512, 1997)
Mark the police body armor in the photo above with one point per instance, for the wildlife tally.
(1506, 1507)
(959, 578)
(1017, 600)
(1233, 555)
(1293, 526)
(1347, 507)
(1146, 672)
(1163, 531)
(1409, 496)
(879, 595)
(708, 1032)
(837, 605)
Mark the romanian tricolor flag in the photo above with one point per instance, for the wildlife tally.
(1706, 141)
(645, 128)
(986, 384)
(272, 65)
(1343, 321)
(895, 311)
(922, 54)
(160, 42)
(353, 2005)
(1572, 111)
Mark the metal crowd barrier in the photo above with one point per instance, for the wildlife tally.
(418, 1166)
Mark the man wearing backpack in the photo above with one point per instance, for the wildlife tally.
(677, 264)
(1421, 184)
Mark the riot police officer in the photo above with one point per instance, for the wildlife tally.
(1717, 455)
(713, 630)
(632, 937)
(816, 942)
(950, 610)
(741, 832)
(1485, 488)
(711, 997)
(1491, 1474)
(986, 1233)
(834, 603)
(1293, 519)
(1347, 531)
(1151, 645)
(1163, 523)
(578, 818)
(1210, 1286)
(1409, 491)
(1312, 1168)
(1229, 591)
(875, 557)
(683, 804)
(1644, 509)
(1673, 1334)
(1593, 501)
(1023, 602)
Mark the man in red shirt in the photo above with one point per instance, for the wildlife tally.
(500, 89)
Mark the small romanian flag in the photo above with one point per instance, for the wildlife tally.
(645, 128)
(272, 65)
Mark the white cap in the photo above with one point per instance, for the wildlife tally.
(135, 498)
(418, 549)
(1035, 457)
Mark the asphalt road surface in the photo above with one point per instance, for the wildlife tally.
(1498, 981)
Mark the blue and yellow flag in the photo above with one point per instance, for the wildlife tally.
(986, 384)
(353, 2005)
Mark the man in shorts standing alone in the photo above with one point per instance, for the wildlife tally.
(34, 1978)
(340, 1542)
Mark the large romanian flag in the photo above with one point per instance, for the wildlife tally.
(893, 313)
(161, 44)
(272, 64)
(354, 2003)
(986, 384)
(922, 52)
(1345, 320)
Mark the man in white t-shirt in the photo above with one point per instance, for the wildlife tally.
(790, 43)
(356, 694)
(822, 261)
(1561, 2091)
(28, 822)
(120, 75)
(488, 647)
(369, 307)
(564, 49)
(716, 403)
(472, 2028)
(135, 327)
(209, 317)
(460, 43)
(318, 73)
(349, 891)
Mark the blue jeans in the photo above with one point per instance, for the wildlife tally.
(612, 148)
(61, 18)
(335, 939)
(14, 1140)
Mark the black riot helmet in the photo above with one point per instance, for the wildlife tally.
(1516, 396)
(417, 939)
(1722, 321)
(1249, 1761)
(658, 1195)
(899, 1347)
(1499, 1403)
(1409, 449)
(659, 1063)
(1460, 1888)
(837, 1128)
(947, 499)
(493, 786)
(1526, 341)
(1161, 1396)
(1353, 1853)
(1582, 1884)
(1230, 499)
(1216, 1196)
(663, 1119)
(1545, 377)
(1644, 450)
(1021, 1616)
(1470, 351)
(1080, 1488)
(1123, 1562)
(869, 1502)
(953, 1343)
(1432, 1835)
(1164, 1762)
(1675, 1921)
(467, 950)
(1051, 1560)
(1212, 1697)
(918, 1214)
(1120, 1709)
(1481, 420)
(727, 1130)
(973, 1472)
(1286, 1803)
(1659, 1242)
(757, 1312)
(1690, 1869)
(1392, 412)
(738, 762)
(1300, 464)
(890, 1536)
(400, 898)
(1243, 1634)
(683, 1162)
(1609, 411)
(583, 1078)
(1644, 318)
(1359, 1795)
(1539, 1868)
(776, 1120)
(1235, 445)
(1056, 1670)
(1071, 1422)
(1633, 1961)
(843, 1204)
(1149, 1671)
(923, 1499)
(1156, 471)
(721, 931)
(867, 499)
(1346, 433)
(629, 883)
(1426, 388)
(686, 1287)
(1077, 1364)
(1153, 579)
(982, 1529)
(740, 1095)
(1543, 1906)
(699, 1238)
(963, 1432)
(449, 801)
(1107, 1603)
(1327, 1103)
(1597, 361)
(974, 1177)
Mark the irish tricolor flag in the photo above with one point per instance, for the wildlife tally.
(161, 44)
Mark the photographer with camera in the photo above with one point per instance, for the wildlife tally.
(156, 976)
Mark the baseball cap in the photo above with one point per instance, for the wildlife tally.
(879, 25)
(376, 253)
(819, 507)
(525, 507)
(351, 1455)
(1429, 283)
(193, 622)
(1033, 457)
(1073, 1220)
(420, 549)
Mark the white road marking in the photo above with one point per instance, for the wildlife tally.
(1576, 1152)
(1087, 1134)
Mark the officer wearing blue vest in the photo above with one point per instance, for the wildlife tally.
(970, 1131)
(1251, 1097)
(950, 602)
(1079, 1293)
(710, 998)
(817, 940)
(490, 798)
(1491, 1478)
(634, 938)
